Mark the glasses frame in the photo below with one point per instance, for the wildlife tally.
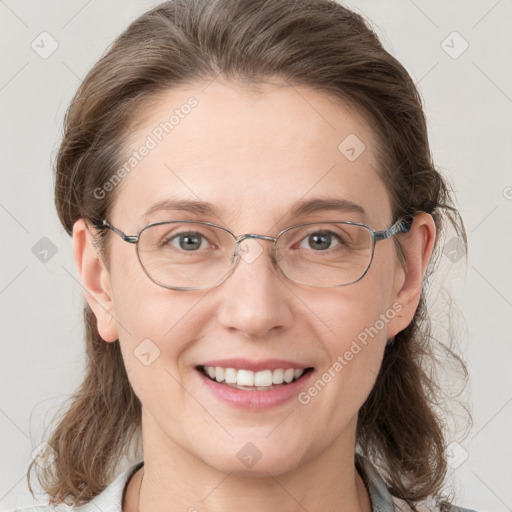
(402, 225)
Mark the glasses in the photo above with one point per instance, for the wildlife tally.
(196, 255)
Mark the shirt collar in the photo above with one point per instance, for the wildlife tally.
(380, 497)
(111, 498)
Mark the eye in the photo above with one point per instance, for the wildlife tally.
(322, 240)
(187, 241)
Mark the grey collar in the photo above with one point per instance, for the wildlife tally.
(380, 497)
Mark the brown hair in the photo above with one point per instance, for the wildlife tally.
(317, 43)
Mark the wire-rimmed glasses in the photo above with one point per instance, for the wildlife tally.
(196, 255)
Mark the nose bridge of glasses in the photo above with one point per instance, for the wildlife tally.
(249, 254)
(241, 238)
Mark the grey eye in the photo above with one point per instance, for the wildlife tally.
(320, 240)
(187, 241)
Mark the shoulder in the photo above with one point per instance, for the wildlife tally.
(383, 501)
(427, 506)
(109, 500)
(44, 508)
(41, 508)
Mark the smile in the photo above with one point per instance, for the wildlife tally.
(262, 380)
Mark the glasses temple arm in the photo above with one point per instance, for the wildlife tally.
(126, 238)
(402, 225)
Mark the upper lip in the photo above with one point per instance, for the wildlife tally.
(262, 364)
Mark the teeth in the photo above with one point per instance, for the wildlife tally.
(219, 374)
(243, 378)
(288, 375)
(278, 376)
(261, 379)
(230, 376)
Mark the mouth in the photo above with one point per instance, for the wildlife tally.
(248, 380)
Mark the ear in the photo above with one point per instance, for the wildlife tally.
(418, 245)
(95, 280)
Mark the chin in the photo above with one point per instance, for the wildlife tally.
(249, 461)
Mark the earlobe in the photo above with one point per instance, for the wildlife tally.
(95, 280)
(418, 245)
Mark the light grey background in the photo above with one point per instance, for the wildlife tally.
(468, 100)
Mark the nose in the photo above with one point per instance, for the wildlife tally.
(255, 299)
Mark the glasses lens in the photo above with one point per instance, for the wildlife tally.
(186, 254)
(325, 254)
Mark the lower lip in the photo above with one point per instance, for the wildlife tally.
(256, 400)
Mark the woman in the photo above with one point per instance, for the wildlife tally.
(285, 369)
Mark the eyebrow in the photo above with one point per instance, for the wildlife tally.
(298, 209)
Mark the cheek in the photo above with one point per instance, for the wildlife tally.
(353, 331)
(140, 305)
(359, 323)
(152, 346)
(365, 317)
(152, 323)
(359, 311)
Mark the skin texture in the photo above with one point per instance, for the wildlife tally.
(251, 152)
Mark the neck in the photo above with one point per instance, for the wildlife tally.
(268, 495)
(181, 482)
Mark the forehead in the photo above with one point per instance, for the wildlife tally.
(250, 152)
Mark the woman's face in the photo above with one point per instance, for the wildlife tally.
(252, 154)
